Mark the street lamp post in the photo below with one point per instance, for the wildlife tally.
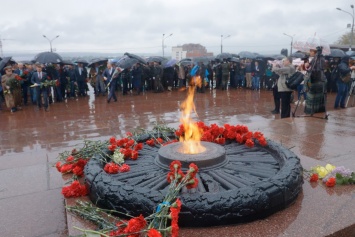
(352, 26)
(222, 38)
(162, 42)
(50, 41)
(291, 42)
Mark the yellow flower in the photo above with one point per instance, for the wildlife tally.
(321, 171)
(330, 167)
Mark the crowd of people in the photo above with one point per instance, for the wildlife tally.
(22, 84)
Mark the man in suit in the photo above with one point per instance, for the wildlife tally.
(81, 77)
(36, 79)
(110, 81)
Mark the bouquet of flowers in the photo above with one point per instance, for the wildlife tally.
(331, 175)
(13, 83)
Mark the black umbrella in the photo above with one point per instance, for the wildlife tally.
(222, 56)
(186, 63)
(156, 59)
(3, 62)
(350, 53)
(126, 62)
(67, 62)
(204, 60)
(140, 59)
(99, 61)
(298, 54)
(48, 57)
(247, 54)
(82, 61)
(234, 59)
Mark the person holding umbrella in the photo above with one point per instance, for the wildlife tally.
(110, 81)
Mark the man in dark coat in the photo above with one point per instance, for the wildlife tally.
(81, 77)
(36, 79)
(137, 77)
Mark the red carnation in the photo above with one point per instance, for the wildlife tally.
(111, 168)
(124, 168)
(175, 165)
(66, 168)
(112, 140)
(331, 182)
(193, 170)
(134, 155)
(74, 190)
(138, 147)
(112, 147)
(58, 166)
(314, 178)
(120, 142)
(249, 143)
(78, 171)
(81, 162)
(153, 233)
(239, 138)
(129, 134)
(220, 140)
(70, 158)
(150, 142)
(258, 135)
(159, 140)
(129, 143)
(192, 183)
(262, 141)
(135, 224)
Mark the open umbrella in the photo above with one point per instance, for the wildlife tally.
(140, 59)
(67, 62)
(186, 63)
(4, 61)
(247, 54)
(170, 63)
(234, 59)
(155, 59)
(336, 53)
(48, 57)
(307, 43)
(126, 62)
(222, 56)
(204, 60)
(82, 61)
(350, 53)
(298, 54)
(99, 61)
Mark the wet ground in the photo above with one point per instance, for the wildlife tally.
(31, 203)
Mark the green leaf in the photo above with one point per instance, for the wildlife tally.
(339, 181)
(338, 176)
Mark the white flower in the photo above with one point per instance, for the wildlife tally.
(118, 157)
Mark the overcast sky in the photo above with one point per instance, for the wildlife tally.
(137, 26)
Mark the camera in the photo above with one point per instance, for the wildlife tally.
(319, 50)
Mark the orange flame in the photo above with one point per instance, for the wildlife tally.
(192, 137)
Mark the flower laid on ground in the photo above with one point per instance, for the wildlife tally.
(163, 222)
(219, 135)
(331, 175)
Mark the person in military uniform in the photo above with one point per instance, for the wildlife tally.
(157, 77)
(12, 89)
(225, 74)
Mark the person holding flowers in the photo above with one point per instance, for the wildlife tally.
(36, 79)
(12, 89)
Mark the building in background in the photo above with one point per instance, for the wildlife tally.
(189, 51)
